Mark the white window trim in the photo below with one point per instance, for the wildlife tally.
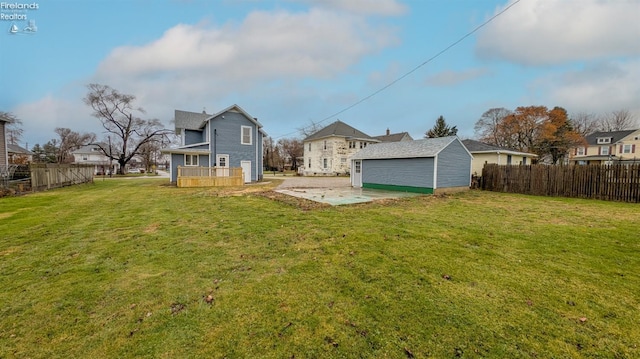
(604, 150)
(242, 135)
(604, 140)
(192, 157)
(625, 147)
(580, 151)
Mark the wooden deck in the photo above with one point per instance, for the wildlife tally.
(209, 176)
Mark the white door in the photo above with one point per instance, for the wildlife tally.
(222, 165)
(246, 171)
(356, 175)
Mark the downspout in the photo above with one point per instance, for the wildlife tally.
(256, 161)
(215, 150)
(435, 173)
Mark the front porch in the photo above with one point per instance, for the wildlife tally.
(189, 176)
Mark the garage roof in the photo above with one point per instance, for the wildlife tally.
(428, 147)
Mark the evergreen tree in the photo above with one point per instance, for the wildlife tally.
(441, 129)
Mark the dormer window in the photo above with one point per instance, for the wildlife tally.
(604, 140)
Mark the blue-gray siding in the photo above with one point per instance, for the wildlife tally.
(414, 172)
(191, 137)
(228, 141)
(454, 166)
(177, 159)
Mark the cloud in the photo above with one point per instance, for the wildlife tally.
(366, 7)
(191, 66)
(452, 78)
(559, 31)
(40, 118)
(598, 88)
(266, 45)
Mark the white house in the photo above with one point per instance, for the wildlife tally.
(327, 151)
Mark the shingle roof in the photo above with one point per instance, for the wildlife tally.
(11, 148)
(616, 136)
(394, 137)
(477, 146)
(196, 120)
(341, 129)
(190, 120)
(428, 147)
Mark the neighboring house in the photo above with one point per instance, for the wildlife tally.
(92, 155)
(229, 138)
(608, 147)
(430, 165)
(4, 158)
(484, 153)
(327, 151)
(18, 155)
(394, 137)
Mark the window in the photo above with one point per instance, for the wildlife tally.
(352, 144)
(309, 150)
(324, 145)
(324, 163)
(627, 149)
(361, 144)
(604, 150)
(309, 158)
(580, 151)
(246, 135)
(190, 160)
(508, 159)
(604, 139)
(358, 164)
(85, 157)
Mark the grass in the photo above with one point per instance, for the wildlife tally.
(123, 268)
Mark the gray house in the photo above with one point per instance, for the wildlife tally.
(431, 165)
(229, 138)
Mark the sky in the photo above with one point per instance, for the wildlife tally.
(373, 64)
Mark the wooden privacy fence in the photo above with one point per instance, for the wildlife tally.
(49, 175)
(618, 182)
(209, 176)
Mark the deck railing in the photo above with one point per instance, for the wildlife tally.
(191, 176)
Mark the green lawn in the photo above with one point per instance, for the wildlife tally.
(123, 268)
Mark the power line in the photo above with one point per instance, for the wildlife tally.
(410, 72)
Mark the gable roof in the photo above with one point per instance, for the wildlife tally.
(11, 148)
(393, 137)
(427, 147)
(196, 121)
(481, 147)
(615, 136)
(340, 129)
(190, 120)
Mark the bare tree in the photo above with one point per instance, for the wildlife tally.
(585, 123)
(291, 150)
(127, 133)
(488, 126)
(13, 130)
(310, 129)
(619, 120)
(70, 141)
(271, 154)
